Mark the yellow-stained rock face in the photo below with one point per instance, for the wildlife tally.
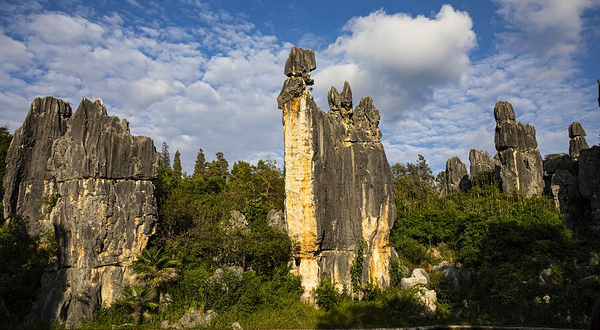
(338, 183)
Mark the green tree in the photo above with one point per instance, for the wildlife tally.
(200, 165)
(139, 299)
(155, 269)
(219, 167)
(164, 160)
(177, 171)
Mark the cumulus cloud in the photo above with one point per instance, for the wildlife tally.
(398, 58)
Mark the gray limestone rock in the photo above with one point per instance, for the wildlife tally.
(26, 161)
(338, 183)
(334, 99)
(457, 177)
(300, 63)
(577, 142)
(480, 161)
(346, 96)
(518, 162)
(419, 277)
(103, 209)
(276, 219)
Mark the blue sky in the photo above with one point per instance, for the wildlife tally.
(206, 74)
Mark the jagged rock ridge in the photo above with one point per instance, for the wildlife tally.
(338, 183)
(103, 208)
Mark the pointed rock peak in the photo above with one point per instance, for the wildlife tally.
(503, 111)
(575, 129)
(334, 100)
(300, 63)
(346, 96)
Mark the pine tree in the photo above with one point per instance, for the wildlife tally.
(200, 166)
(165, 159)
(177, 165)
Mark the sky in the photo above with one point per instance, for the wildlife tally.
(206, 74)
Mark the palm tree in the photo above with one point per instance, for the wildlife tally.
(138, 298)
(154, 269)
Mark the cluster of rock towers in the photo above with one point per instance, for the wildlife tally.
(83, 177)
(573, 180)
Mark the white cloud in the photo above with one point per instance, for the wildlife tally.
(398, 59)
(551, 27)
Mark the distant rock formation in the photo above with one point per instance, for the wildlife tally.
(480, 161)
(339, 188)
(86, 178)
(577, 142)
(518, 161)
(457, 177)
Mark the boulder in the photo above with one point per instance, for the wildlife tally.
(428, 298)
(419, 277)
(453, 273)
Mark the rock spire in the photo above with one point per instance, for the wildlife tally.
(338, 183)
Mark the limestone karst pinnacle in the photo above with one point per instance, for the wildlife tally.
(103, 210)
(339, 188)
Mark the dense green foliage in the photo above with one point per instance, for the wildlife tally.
(505, 241)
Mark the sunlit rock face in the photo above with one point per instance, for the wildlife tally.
(519, 164)
(87, 179)
(338, 182)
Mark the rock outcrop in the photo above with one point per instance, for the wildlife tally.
(577, 142)
(88, 179)
(26, 159)
(339, 190)
(518, 161)
(480, 162)
(457, 177)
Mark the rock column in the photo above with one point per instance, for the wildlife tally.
(338, 182)
(519, 164)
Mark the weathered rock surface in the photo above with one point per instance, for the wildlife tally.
(457, 177)
(276, 219)
(480, 161)
(91, 184)
(577, 142)
(419, 277)
(518, 161)
(26, 161)
(338, 182)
